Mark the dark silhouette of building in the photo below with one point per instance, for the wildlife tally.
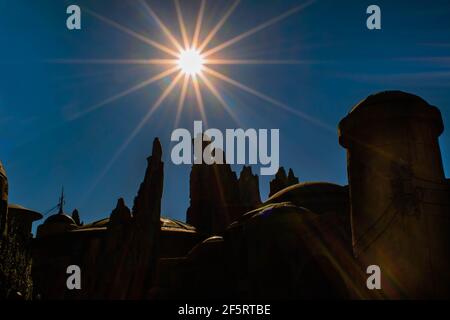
(308, 240)
(15, 245)
(399, 194)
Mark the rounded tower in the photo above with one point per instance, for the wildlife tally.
(398, 193)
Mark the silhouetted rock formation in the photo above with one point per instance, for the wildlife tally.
(292, 179)
(76, 217)
(118, 255)
(218, 197)
(121, 214)
(282, 181)
(249, 189)
(297, 244)
(147, 214)
(214, 194)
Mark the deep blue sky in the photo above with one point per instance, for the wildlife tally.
(43, 149)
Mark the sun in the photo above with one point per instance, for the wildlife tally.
(190, 61)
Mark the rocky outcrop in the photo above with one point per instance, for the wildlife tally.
(146, 228)
(117, 256)
(292, 179)
(76, 217)
(282, 181)
(214, 194)
(218, 197)
(249, 188)
(121, 214)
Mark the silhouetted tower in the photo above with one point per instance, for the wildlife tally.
(398, 193)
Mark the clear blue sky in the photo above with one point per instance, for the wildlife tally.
(43, 148)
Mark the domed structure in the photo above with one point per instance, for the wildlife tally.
(385, 111)
(319, 197)
(57, 223)
(60, 218)
(398, 100)
(280, 240)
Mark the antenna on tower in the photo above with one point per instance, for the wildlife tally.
(61, 202)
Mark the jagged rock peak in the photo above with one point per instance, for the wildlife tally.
(292, 179)
(120, 204)
(282, 181)
(249, 188)
(246, 172)
(76, 217)
(281, 174)
(121, 213)
(148, 199)
(157, 149)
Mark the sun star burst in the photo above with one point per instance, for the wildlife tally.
(191, 59)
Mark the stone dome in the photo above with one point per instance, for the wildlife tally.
(399, 99)
(319, 197)
(60, 218)
(389, 112)
(56, 224)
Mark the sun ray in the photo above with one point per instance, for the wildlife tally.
(134, 88)
(182, 99)
(131, 32)
(257, 28)
(252, 61)
(219, 97)
(162, 25)
(184, 63)
(199, 98)
(136, 130)
(198, 24)
(115, 61)
(182, 25)
(267, 98)
(219, 25)
(158, 103)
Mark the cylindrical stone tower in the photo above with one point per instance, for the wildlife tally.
(398, 193)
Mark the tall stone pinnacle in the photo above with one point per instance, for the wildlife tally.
(150, 191)
(282, 181)
(157, 150)
(249, 188)
(121, 214)
(146, 223)
(76, 217)
(291, 178)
